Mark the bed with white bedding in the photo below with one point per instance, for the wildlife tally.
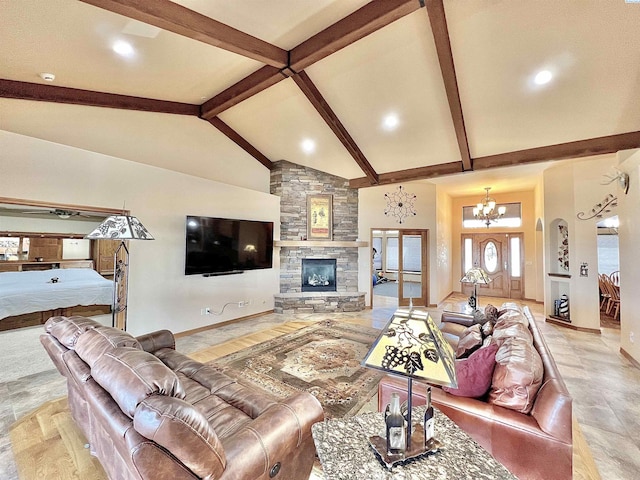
(34, 291)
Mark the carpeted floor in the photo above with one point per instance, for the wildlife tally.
(322, 359)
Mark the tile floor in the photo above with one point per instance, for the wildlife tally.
(605, 385)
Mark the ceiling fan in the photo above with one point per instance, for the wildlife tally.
(60, 213)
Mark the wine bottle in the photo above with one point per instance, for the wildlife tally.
(429, 420)
(396, 433)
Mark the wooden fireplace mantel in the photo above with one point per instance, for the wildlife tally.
(320, 243)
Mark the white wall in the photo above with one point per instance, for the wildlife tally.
(371, 207)
(444, 251)
(629, 237)
(569, 189)
(160, 295)
(539, 268)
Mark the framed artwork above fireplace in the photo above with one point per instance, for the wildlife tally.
(320, 217)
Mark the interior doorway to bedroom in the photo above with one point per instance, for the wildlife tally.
(399, 267)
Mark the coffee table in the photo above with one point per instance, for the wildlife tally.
(345, 454)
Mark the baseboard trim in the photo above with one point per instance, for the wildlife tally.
(221, 324)
(628, 356)
(533, 301)
(570, 326)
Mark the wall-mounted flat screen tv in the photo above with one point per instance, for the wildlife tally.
(218, 246)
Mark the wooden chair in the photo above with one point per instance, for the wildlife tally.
(615, 278)
(613, 297)
(604, 292)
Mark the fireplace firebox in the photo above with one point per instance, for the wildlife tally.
(318, 274)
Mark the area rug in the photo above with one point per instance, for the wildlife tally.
(322, 359)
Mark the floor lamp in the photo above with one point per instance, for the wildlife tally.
(120, 227)
(475, 276)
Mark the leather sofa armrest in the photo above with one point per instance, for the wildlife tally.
(470, 414)
(56, 352)
(273, 438)
(460, 318)
(454, 329)
(154, 341)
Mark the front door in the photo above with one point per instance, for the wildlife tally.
(498, 254)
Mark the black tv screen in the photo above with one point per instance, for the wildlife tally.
(223, 245)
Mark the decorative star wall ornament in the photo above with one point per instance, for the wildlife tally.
(400, 204)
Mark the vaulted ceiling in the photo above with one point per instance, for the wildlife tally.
(377, 92)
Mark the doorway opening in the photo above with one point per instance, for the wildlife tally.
(609, 272)
(501, 255)
(399, 267)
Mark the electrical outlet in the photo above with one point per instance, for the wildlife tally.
(205, 311)
(242, 303)
(631, 337)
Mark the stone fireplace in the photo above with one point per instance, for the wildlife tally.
(292, 183)
(319, 275)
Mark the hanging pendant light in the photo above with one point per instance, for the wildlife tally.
(486, 212)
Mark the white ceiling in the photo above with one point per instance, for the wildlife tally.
(591, 46)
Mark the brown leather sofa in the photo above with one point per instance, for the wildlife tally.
(536, 445)
(150, 412)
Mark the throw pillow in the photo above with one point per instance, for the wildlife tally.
(474, 374)
(487, 329)
(470, 341)
(479, 317)
(491, 313)
(518, 375)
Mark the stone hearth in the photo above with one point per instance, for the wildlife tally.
(318, 302)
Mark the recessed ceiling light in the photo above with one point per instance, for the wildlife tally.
(390, 122)
(542, 77)
(308, 146)
(48, 77)
(122, 48)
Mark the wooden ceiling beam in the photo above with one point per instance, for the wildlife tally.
(75, 96)
(320, 104)
(175, 18)
(240, 141)
(364, 21)
(247, 87)
(409, 175)
(359, 24)
(561, 151)
(437, 18)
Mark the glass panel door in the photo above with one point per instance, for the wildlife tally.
(412, 274)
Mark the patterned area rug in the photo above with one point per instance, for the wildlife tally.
(322, 359)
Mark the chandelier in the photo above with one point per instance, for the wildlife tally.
(486, 210)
